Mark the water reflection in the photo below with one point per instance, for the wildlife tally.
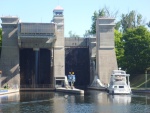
(91, 102)
(14, 97)
(120, 99)
(8, 102)
(35, 96)
(105, 98)
(66, 105)
(105, 103)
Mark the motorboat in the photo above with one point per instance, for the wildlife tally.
(119, 83)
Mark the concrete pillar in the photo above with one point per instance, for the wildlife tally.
(92, 52)
(59, 62)
(36, 66)
(9, 62)
(59, 52)
(105, 50)
(52, 66)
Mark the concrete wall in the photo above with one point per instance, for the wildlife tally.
(36, 35)
(92, 56)
(76, 42)
(105, 50)
(58, 49)
(101, 50)
(77, 61)
(9, 62)
(90, 44)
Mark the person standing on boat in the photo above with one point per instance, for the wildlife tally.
(71, 79)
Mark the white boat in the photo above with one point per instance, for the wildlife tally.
(119, 83)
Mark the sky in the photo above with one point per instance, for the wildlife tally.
(77, 13)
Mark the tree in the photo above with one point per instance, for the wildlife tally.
(117, 25)
(73, 35)
(119, 48)
(148, 24)
(87, 34)
(104, 12)
(93, 26)
(0, 39)
(136, 49)
(130, 20)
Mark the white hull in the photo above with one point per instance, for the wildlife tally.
(119, 83)
(119, 91)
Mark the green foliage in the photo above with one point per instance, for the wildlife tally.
(6, 86)
(148, 24)
(133, 50)
(104, 12)
(117, 25)
(0, 35)
(94, 18)
(130, 20)
(87, 34)
(0, 39)
(119, 48)
(137, 49)
(132, 46)
(73, 35)
(139, 81)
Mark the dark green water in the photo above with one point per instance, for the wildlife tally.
(91, 102)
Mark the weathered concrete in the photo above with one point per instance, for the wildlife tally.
(74, 91)
(105, 49)
(92, 56)
(9, 62)
(37, 36)
(77, 42)
(58, 49)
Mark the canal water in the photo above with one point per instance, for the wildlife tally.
(91, 102)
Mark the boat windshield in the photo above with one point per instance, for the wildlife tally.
(119, 78)
(119, 83)
(118, 72)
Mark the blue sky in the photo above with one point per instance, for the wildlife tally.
(77, 13)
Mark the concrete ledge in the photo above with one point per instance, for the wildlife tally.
(140, 90)
(75, 91)
(98, 88)
(37, 89)
(8, 91)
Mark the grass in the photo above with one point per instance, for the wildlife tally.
(139, 81)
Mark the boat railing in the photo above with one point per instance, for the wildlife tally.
(118, 71)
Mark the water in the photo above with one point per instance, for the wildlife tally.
(92, 102)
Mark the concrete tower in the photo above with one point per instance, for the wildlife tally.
(9, 62)
(105, 49)
(58, 51)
